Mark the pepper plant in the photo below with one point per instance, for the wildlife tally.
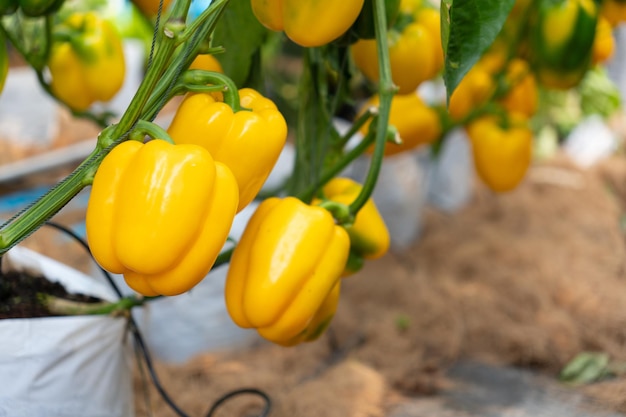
(163, 200)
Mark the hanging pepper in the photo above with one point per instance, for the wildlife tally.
(474, 90)
(159, 214)
(603, 43)
(369, 236)
(561, 38)
(87, 61)
(417, 124)
(249, 141)
(415, 51)
(522, 96)
(308, 23)
(411, 56)
(206, 62)
(285, 271)
(501, 155)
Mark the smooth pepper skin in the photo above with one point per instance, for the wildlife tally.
(417, 123)
(501, 155)
(249, 142)
(159, 214)
(89, 66)
(415, 51)
(284, 274)
(308, 23)
(369, 236)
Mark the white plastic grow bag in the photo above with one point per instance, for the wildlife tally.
(64, 366)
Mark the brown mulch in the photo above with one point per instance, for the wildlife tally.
(529, 278)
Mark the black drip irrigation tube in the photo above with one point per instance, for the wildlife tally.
(147, 357)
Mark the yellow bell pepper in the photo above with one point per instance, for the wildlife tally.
(308, 23)
(603, 43)
(369, 236)
(501, 155)
(474, 90)
(523, 95)
(417, 124)
(88, 66)
(159, 214)
(206, 62)
(248, 142)
(411, 57)
(285, 271)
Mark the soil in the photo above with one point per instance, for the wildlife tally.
(21, 292)
(530, 279)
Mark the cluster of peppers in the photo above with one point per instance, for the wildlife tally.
(160, 213)
(548, 43)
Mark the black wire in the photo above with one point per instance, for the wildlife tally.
(147, 357)
(242, 391)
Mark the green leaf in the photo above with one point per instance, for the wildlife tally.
(241, 34)
(586, 367)
(468, 28)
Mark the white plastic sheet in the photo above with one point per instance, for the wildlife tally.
(449, 176)
(64, 366)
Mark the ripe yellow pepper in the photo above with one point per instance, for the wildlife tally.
(501, 155)
(206, 62)
(159, 214)
(249, 142)
(603, 43)
(369, 236)
(474, 90)
(308, 23)
(417, 124)
(523, 96)
(285, 271)
(87, 66)
(412, 56)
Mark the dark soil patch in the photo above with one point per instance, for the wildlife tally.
(21, 295)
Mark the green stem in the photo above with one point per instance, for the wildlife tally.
(166, 48)
(143, 128)
(342, 164)
(43, 209)
(354, 128)
(386, 93)
(74, 308)
(202, 77)
(183, 60)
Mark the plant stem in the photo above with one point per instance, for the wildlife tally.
(386, 92)
(327, 175)
(62, 306)
(20, 227)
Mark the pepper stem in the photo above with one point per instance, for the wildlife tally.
(143, 128)
(386, 93)
(198, 77)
